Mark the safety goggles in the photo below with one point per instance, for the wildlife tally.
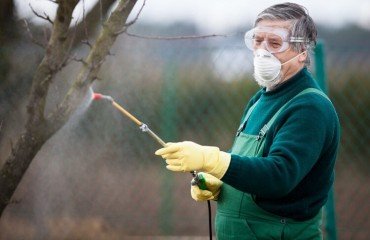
(273, 39)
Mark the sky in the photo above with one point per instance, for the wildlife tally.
(221, 16)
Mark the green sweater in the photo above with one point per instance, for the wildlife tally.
(293, 177)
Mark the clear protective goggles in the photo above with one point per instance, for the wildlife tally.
(273, 39)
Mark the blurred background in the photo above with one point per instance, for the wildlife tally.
(98, 177)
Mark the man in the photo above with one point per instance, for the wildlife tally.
(276, 178)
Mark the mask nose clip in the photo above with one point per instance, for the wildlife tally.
(262, 52)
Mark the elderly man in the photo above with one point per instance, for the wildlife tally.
(274, 181)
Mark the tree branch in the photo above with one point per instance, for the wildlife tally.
(137, 15)
(173, 38)
(34, 40)
(45, 17)
(86, 42)
(80, 60)
(57, 52)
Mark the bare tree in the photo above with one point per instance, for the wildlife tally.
(39, 127)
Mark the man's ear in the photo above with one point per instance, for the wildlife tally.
(302, 57)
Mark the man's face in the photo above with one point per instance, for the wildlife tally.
(276, 41)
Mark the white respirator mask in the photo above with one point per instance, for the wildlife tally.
(267, 68)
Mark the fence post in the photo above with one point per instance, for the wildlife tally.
(169, 133)
(320, 70)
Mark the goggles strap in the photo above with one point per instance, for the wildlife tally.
(298, 40)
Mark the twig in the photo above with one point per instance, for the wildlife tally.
(81, 60)
(35, 41)
(87, 43)
(133, 21)
(45, 17)
(84, 41)
(137, 16)
(173, 38)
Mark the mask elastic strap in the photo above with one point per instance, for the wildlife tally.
(293, 58)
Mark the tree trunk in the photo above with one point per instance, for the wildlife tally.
(17, 163)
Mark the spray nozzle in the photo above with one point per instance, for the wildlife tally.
(98, 96)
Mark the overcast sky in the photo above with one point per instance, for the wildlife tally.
(221, 16)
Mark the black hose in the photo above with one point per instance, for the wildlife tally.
(196, 181)
(209, 219)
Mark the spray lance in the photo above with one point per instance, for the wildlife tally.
(142, 126)
(197, 179)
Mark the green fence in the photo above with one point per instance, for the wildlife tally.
(320, 72)
(99, 177)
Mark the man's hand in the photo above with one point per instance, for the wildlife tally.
(213, 188)
(189, 156)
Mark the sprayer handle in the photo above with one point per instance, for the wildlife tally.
(200, 181)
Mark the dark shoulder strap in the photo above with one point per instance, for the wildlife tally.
(267, 126)
(246, 117)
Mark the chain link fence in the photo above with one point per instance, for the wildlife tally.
(98, 177)
(349, 85)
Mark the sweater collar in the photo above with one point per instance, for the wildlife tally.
(287, 85)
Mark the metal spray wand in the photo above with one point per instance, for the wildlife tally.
(142, 126)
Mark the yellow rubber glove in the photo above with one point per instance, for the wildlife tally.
(189, 156)
(213, 185)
